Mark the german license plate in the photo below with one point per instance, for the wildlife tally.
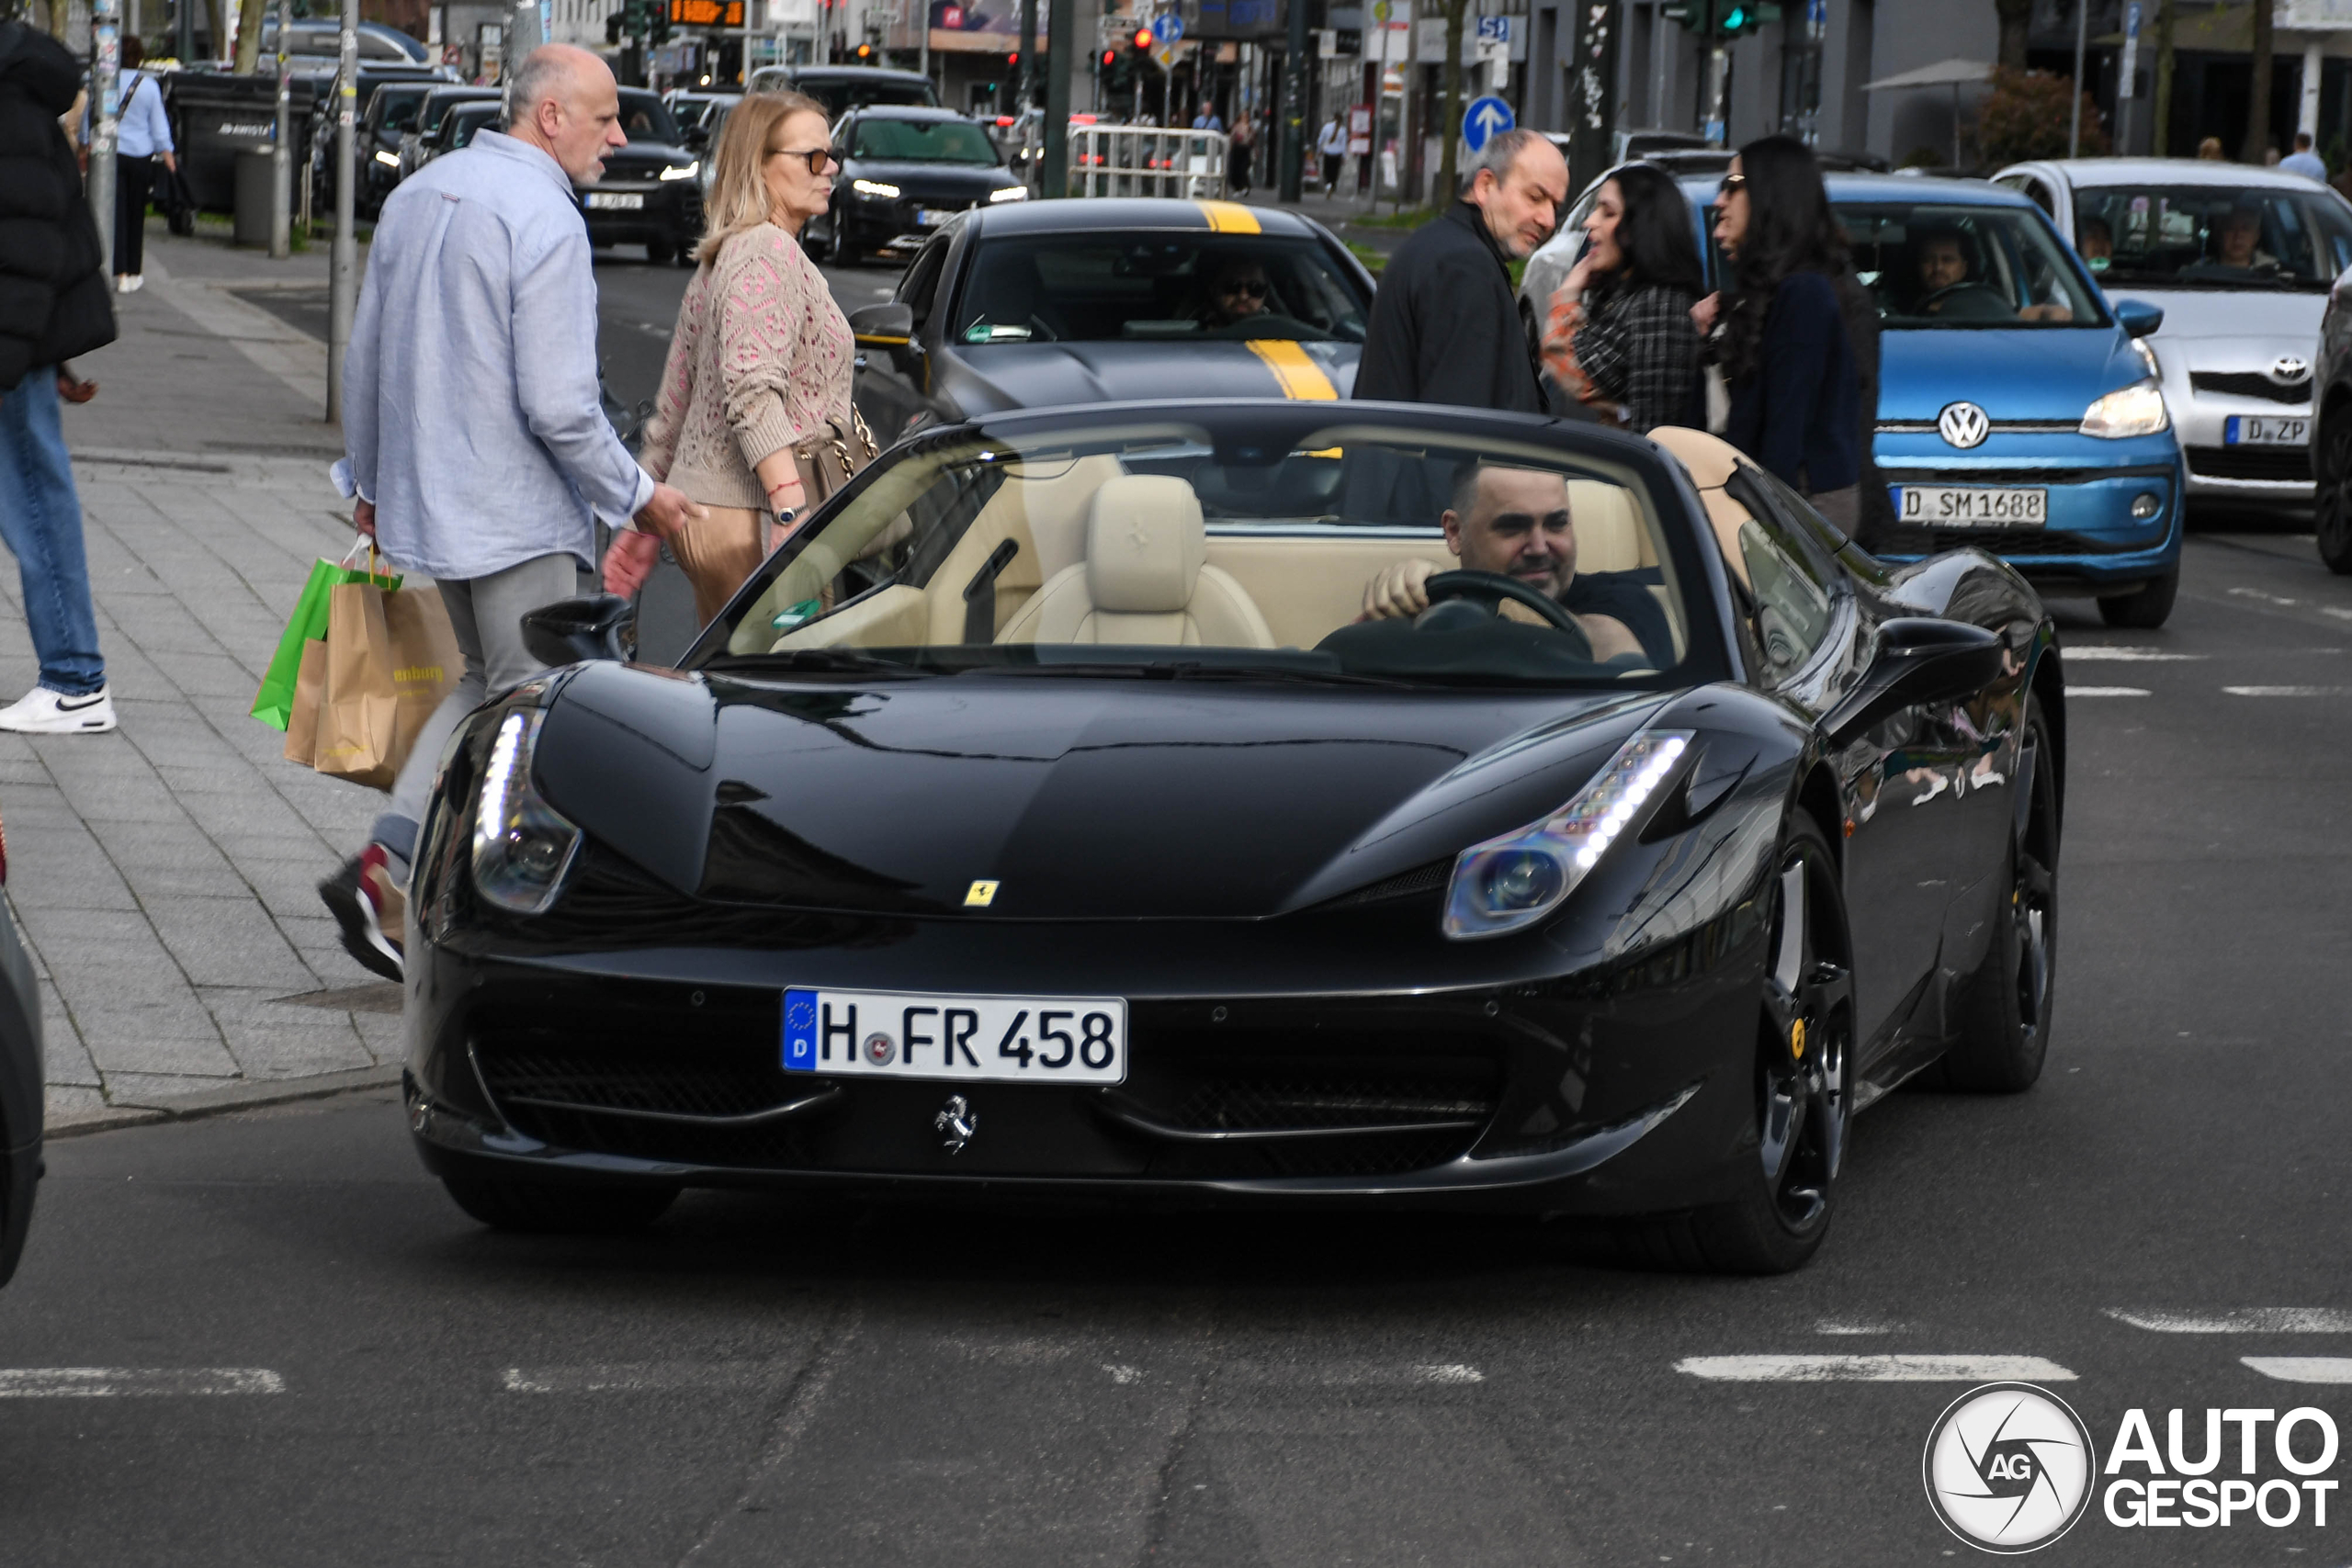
(616, 201)
(2266, 430)
(908, 1035)
(932, 217)
(1972, 506)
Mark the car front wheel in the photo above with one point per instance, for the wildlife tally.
(2334, 514)
(2145, 608)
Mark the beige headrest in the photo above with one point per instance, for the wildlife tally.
(1710, 459)
(1144, 545)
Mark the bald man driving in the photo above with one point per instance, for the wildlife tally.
(1516, 523)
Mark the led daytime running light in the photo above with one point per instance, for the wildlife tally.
(1509, 883)
(522, 845)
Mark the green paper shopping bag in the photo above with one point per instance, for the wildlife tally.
(274, 704)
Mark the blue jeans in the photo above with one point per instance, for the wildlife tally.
(41, 518)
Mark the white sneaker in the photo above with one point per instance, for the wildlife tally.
(43, 711)
(130, 283)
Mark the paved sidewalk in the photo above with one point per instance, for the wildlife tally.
(164, 875)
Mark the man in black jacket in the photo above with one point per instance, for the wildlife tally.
(1444, 326)
(53, 305)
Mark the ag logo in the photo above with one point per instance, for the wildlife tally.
(1963, 424)
(2008, 1468)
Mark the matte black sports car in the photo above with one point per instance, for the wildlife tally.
(1042, 817)
(904, 172)
(1033, 304)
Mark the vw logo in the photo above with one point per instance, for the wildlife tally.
(2010, 1466)
(1963, 424)
(2288, 369)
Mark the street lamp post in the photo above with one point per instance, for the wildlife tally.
(106, 39)
(281, 151)
(1295, 103)
(343, 283)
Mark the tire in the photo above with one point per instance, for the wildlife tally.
(2334, 513)
(1802, 1091)
(837, 250)
(2004, 1015)
(2145, 608)
(552, 1208)
(661, 253)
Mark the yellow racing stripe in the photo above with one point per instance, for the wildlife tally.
(1295, 372)
(1229, 217)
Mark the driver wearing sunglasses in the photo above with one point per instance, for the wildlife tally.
(1237, 290)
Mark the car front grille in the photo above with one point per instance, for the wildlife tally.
(2292, 463)
(2017, 543)
(2250, 383)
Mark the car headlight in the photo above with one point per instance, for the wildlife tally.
(683, 171)
(522, 845)
(1509, 883)
(874, 188)
(2136, 409)
(1010, 193)
(389, 159)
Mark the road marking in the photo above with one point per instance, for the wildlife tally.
(2107, 691)
(2238, 1320)
(648, 1377)
(2266, 598)
(1873, 1368)
(130, 1383)
(1347, 1375)
(1295, 372)
(2302, 1368)
(1834, 1327)
(2086, 652)
(2289, 690)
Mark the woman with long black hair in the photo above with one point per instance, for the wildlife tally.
(1800, 364)
(1621, 340)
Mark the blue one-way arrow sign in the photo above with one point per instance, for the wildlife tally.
(1168, 27)
(1486, 119)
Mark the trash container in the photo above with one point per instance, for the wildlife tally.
(256, 184)
(216, 117)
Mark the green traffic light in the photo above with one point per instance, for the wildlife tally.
(1737, 20)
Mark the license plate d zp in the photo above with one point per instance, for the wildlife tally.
(903, 1035)
(616, 201)
(2264, 430)
(932, 217)
(1973, 506)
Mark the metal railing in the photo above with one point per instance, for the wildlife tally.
(1125, 160)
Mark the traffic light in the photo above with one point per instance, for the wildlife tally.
(1110, 58)
(1013, 60)
(1730, 18)
(865, 54)
(613, 28)
(1143, 40)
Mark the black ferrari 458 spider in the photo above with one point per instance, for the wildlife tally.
(1285, 802)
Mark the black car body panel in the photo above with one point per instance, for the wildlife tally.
(633, 203)
(1259, 868)
(21, 1095)
(842, 88)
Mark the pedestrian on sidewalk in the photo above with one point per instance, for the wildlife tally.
(2303, 161)
(478, 452)
(1445, 324)
(144, 139)
(762, 360)
(53, 281)
(1240, 148)
(1333, 144)
(1619, 337)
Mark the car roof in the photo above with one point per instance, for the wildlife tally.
(911, 111)
(1131, 212)
(1889, 188)
(2081, 172)
(852, 73)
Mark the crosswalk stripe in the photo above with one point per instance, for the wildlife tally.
(1873, 1368)
(2238, 1320)
(2083, 653)
(2289, 690)
(2107, 691)
(644, 1377)
(128, 1383)
(2302, 1368)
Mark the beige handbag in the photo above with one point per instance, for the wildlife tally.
(831, 458)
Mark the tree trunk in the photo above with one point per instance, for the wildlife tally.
(1450, 123)
(249, 36)
(2258, 110)
(59, 12)
(216, 22)
(2162, 107)
(2016, 16)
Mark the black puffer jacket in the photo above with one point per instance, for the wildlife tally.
(54, 299)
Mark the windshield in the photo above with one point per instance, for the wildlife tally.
(436, 108)
(922, 142)
(1101, 287)
(1966, 266)
(2214, 236)
(472, 118)
(1223, 549)
(400, 104)
(644, 120)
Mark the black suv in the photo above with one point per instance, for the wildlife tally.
(905, 172)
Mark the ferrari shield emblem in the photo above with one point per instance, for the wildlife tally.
(979, 895)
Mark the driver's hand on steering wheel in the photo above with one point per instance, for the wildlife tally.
(1398, 590)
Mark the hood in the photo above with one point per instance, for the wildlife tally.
(942, 182)
(1081, 798)
(999, 377)
(39, 66)
(2232, 312)
(642, 160)
(2040, 373)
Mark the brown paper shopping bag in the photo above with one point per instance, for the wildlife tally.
(427, 665)
(391, 658)
(302, 706)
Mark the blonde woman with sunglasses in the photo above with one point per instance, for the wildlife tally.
(761, 358)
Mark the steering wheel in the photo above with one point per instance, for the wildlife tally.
(1978, 302)
(1493, 588)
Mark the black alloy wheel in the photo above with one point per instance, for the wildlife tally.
(837, 242)
(2004, 1016)
(2145, 608)
(661, 253)
(2334, 513)
(557, 1208)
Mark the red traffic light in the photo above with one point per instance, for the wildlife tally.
(1013, 58)
(1109, 56)
(1143, 38)
(865, 51)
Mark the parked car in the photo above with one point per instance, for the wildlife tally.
(390, 114)
(22, 1097)
(437, 103)
(699, 111)
(322, 36)
(904, 172)
(2240, 260)
(2019, 410)
(458, 127)
(842, 88)
(1032, 304)
(651, 194)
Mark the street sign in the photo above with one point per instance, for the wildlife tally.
(1167, 28)
(2131, 67)
(1486, 119)
(1494, 30)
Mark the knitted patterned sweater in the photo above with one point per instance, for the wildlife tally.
(761, 358)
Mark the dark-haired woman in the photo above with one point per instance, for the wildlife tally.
(1783, 335)
(1621, 340)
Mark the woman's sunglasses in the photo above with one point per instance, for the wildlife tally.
(1734, 182)
(817, 157)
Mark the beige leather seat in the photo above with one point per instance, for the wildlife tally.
(1610, 537)
(1711, 461)
(1146, 578)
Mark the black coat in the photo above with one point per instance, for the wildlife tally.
(1444, 326)
(54, 302)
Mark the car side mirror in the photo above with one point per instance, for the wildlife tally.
(1917, 660)
(574, 631)
(2138, 318)
(891, 325)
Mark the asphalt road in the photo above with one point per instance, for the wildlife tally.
(298, 1351)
